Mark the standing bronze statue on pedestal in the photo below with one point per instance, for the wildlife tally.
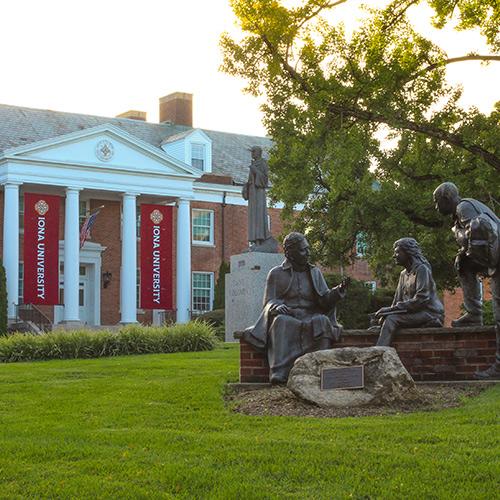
(254, 191)
(477, 231)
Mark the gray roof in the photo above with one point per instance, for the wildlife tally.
(20, 126)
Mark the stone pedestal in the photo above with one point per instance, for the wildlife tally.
(245, 285)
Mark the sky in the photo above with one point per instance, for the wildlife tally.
(105, 57)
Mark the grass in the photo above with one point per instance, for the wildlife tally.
(155, 426)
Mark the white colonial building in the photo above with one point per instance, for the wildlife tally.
(118, 164)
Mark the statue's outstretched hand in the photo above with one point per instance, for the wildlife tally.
(344, 284)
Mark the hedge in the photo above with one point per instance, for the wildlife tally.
(134, 339)
(215, 318)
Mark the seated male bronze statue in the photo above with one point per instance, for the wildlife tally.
(415, 302)
(299, 311)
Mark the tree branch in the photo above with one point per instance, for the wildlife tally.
(470, 57)
(314, 13)
(393, 121)
(418, 219)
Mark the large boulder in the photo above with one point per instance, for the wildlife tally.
(385, 377)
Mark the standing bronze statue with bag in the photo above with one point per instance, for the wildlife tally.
(477, 232)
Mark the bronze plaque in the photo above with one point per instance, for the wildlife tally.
(350, 377)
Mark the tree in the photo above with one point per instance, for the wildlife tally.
(334, 99)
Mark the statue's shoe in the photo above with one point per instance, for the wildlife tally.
(491, 373)
(277, 380)
(467, 319)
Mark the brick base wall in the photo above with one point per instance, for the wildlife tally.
(427, 353)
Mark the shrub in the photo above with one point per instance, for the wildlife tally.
(360, 301)
(132, 339)
(488, 316)
(220, 287)
(3, 301)
(216, 319)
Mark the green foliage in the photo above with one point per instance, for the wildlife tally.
(156, 426)
(360, 301)
(216, 319)
(488, 316)
(3, 301)
(483, 14)
(365, 124)
(220, 286)
(194, 336)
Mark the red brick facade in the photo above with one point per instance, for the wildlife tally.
(229, 239)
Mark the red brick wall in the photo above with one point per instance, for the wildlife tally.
(106, 232)
(359, 270)
(440, 354)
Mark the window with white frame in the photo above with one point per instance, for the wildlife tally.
(198, 156)
(361, 244)
(202, 227)
(138, 289)
(202, 292)
(83, 211)
(20, 298)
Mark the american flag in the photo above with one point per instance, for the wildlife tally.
(87, 226)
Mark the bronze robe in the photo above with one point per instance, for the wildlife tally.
(311, 324)
(258, 225)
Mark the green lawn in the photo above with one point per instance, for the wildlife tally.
(156, 426)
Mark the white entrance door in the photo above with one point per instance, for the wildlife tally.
(83, 296)
(86, 308)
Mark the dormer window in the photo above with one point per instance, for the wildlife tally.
(198, 156)
(193, 147)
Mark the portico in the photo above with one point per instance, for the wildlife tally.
(102, 163)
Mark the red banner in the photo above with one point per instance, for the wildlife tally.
(41, 249)
(156, 257)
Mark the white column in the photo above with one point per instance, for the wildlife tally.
(183, 261)
(11, 244)
(128, 281)
(71, 255)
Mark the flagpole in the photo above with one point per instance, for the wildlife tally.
(94, 210)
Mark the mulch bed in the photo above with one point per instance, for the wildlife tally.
(280, 401)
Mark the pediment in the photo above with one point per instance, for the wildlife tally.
(107, 147)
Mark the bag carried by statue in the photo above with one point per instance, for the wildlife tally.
(483, 240)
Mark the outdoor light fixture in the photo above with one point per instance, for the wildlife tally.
(106, 279)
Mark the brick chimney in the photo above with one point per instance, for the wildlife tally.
(133, 114)
(177, 108)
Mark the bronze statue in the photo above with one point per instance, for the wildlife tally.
(415, 302)
(299, 310)
(255, 192)
(477, 232)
